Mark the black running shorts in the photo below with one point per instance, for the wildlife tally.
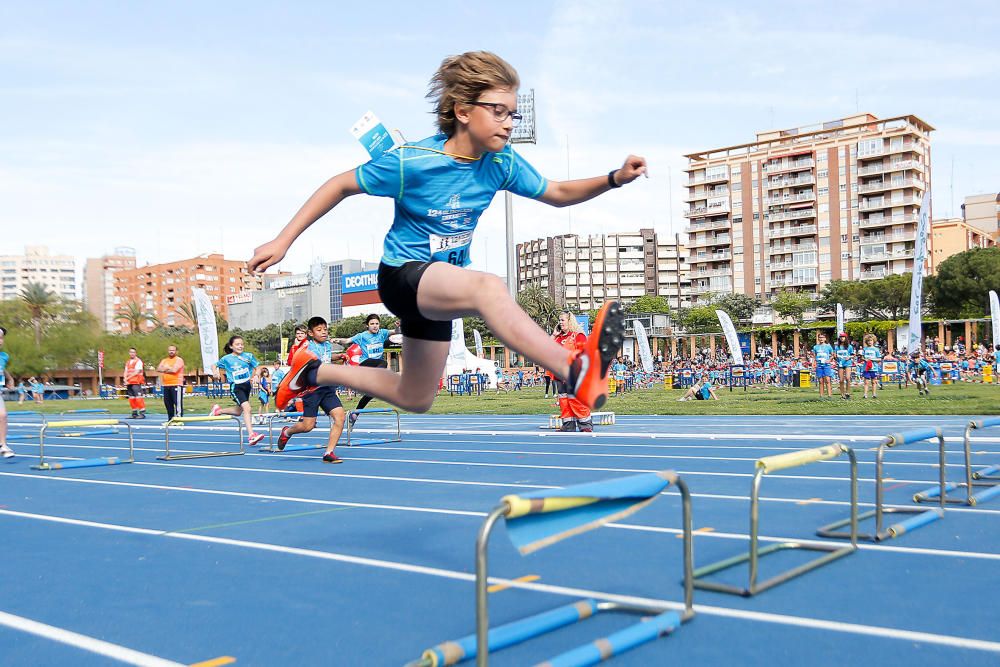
(397, 286)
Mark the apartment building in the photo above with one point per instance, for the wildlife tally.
(57, 273)
(581, 272)
(800, 207)
(983, 212)
(952, 236)
(99, 284)
(163, 289)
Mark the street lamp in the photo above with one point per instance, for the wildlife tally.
(523, 133)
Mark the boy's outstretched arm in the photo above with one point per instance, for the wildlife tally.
(331, 193)
(567, 193)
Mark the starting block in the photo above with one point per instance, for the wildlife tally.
(365, 411)
(290, 417)
(84, 463)
(919, 517)
(600, 419)
(984, 477)
(541, 518)
(182, 421)
(764, 466)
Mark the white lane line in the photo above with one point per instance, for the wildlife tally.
(708, 610)
(455, 512)
(83, 642)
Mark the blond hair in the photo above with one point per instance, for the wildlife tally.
(463, 78)
(574, 324)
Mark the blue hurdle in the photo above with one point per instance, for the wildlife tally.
(198, 419)
(87, 411)
(541, 518)
(919, 517)
(985, 478)
(272, 448)
(350, 427)
(83, 463)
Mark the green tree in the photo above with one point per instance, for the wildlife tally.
(699, 319)
(134, 315)
(739, 306)
(539, 306)
(477, 324)
(188, 311)
(40, 302)
(650, 303)
(884, 299)
(791, 304)
(963, 281)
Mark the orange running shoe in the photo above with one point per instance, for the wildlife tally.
(293, 383)
(588, 368)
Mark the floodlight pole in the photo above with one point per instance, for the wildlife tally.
(524, 133)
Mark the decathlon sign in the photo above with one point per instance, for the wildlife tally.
(360, 282)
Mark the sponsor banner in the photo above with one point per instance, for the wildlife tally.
(840, 319)
(644, 352)
(479, 343)
(995, 318)
(207, 332)
(365, 281)
(282, 283)
(919, 260)
(244, 296)
(731, 337)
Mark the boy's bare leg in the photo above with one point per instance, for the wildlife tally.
(336, 428)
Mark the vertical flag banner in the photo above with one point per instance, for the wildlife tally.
(919, 260)
(644, 353)
(731, 338)
(207, 332)
(995, 317)
(840, 319)
(479, 343)
(456, 353)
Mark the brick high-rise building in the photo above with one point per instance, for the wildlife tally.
(162, 289)
(99, 285)
(801, 207)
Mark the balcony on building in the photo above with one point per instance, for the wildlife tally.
(795, 214)
(791, 198)
(886, 255)
(889, 167)
(707, 225)
(894, 237)
(709, 240)
(881, 203)
(707, 194)
(793, 230)
(875, 221)
(789, 182)
(786, 248)
(890, 184)
(707, 177)
(704, 211)
(783, 166)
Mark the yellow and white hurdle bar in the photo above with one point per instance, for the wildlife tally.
(373, 441)
(984, 478)
(764, 466)
(919, 517)
(83, 463)
(594, 504)
(600, 419)
(182, 421)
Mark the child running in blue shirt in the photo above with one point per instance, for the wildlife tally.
(322, 398)
(441, 186)
(239, 368)
(372, 343)
(920, 371)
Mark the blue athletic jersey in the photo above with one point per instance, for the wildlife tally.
(322, 350)
(238, 367)
(844, 355)
(823, 354)
(439, 199)
(873, 354)
(371, 344)
(706, 391)
(4, 359)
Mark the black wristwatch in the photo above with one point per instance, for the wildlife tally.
(611, 179)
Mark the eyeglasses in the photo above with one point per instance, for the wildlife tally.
(500, 112)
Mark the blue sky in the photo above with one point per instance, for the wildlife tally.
(189, 127)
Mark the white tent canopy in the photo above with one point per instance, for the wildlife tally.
(460, 358)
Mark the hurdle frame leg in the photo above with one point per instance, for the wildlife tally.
(350, 426)
(84, 463)
(918, 516)
(982, 479)
(482, 576)
(756, 552)
(180, 421)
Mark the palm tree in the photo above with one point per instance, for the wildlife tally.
(40, 302)
(134, 315)
(188, 311)
(539, 306)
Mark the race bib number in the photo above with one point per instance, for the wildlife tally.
(453, 249)
(241, 375)
(822, 357)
